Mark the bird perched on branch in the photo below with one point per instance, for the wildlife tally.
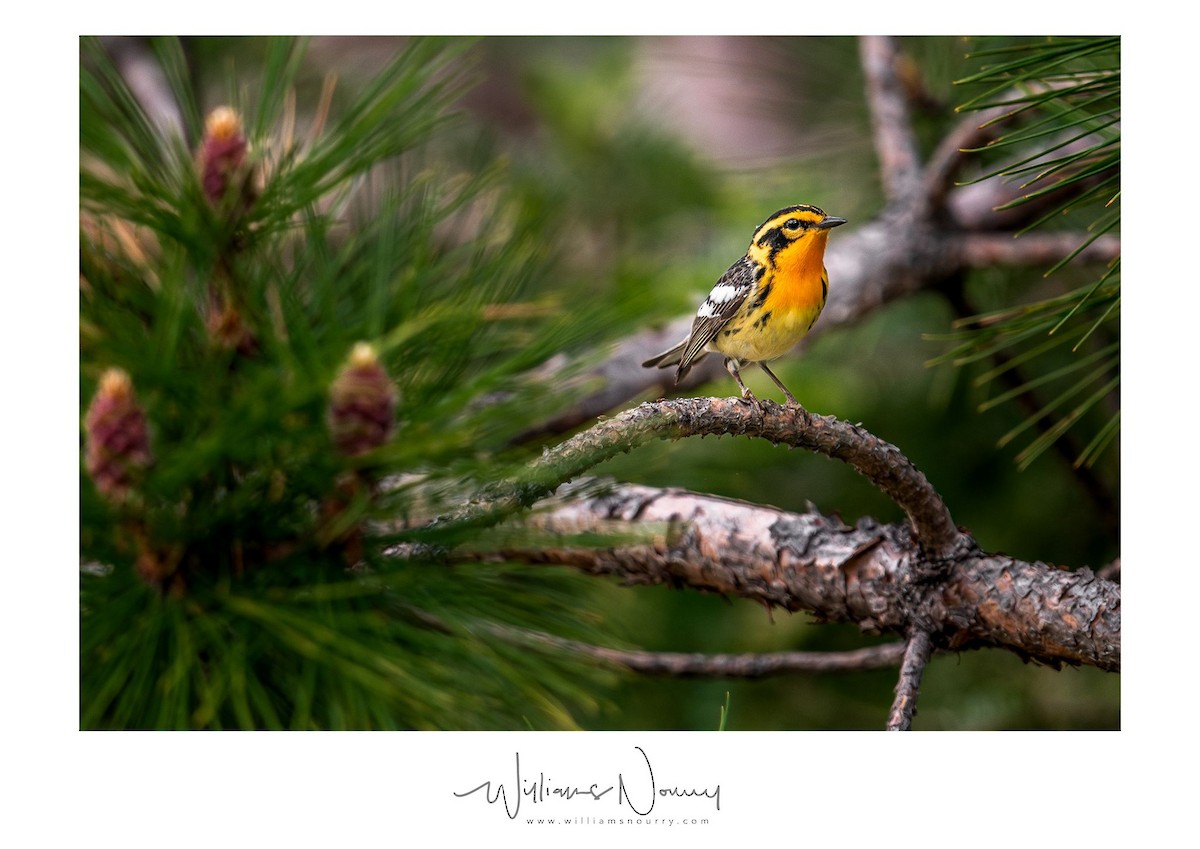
(766, 302)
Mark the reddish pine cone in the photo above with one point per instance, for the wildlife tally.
(222, 152)
(362, 404)
(118, 441)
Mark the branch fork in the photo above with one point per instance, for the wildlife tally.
(924, 579)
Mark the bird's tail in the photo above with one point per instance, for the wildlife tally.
(671, 357)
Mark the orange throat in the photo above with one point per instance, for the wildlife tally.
(802, 270)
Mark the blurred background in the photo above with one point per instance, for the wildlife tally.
(641, 166)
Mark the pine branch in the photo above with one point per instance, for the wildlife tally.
(952, 154)
(683, 665)
(882, 463)
(891, 121)
(925, 579)
(987, 250)
(917, 652)
(872, 575)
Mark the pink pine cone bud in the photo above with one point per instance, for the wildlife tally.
(118, 441)
(222, 152)
(362, 404)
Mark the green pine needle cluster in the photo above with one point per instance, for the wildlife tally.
(228, 268)
(1059, 117)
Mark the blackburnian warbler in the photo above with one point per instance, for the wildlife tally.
(766, 302)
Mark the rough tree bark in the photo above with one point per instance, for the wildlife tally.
(925, 579)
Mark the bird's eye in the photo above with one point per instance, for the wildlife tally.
(792, 224)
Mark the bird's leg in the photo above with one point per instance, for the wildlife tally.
(731, 365)
(791, 399)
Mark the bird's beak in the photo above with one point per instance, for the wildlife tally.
(830, 221)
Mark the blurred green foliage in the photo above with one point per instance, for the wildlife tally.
(245, 585)
(557, 210)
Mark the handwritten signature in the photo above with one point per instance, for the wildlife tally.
(641, 787)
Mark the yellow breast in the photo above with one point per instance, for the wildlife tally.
(766, 335)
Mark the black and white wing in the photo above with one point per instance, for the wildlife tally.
(722, 304)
